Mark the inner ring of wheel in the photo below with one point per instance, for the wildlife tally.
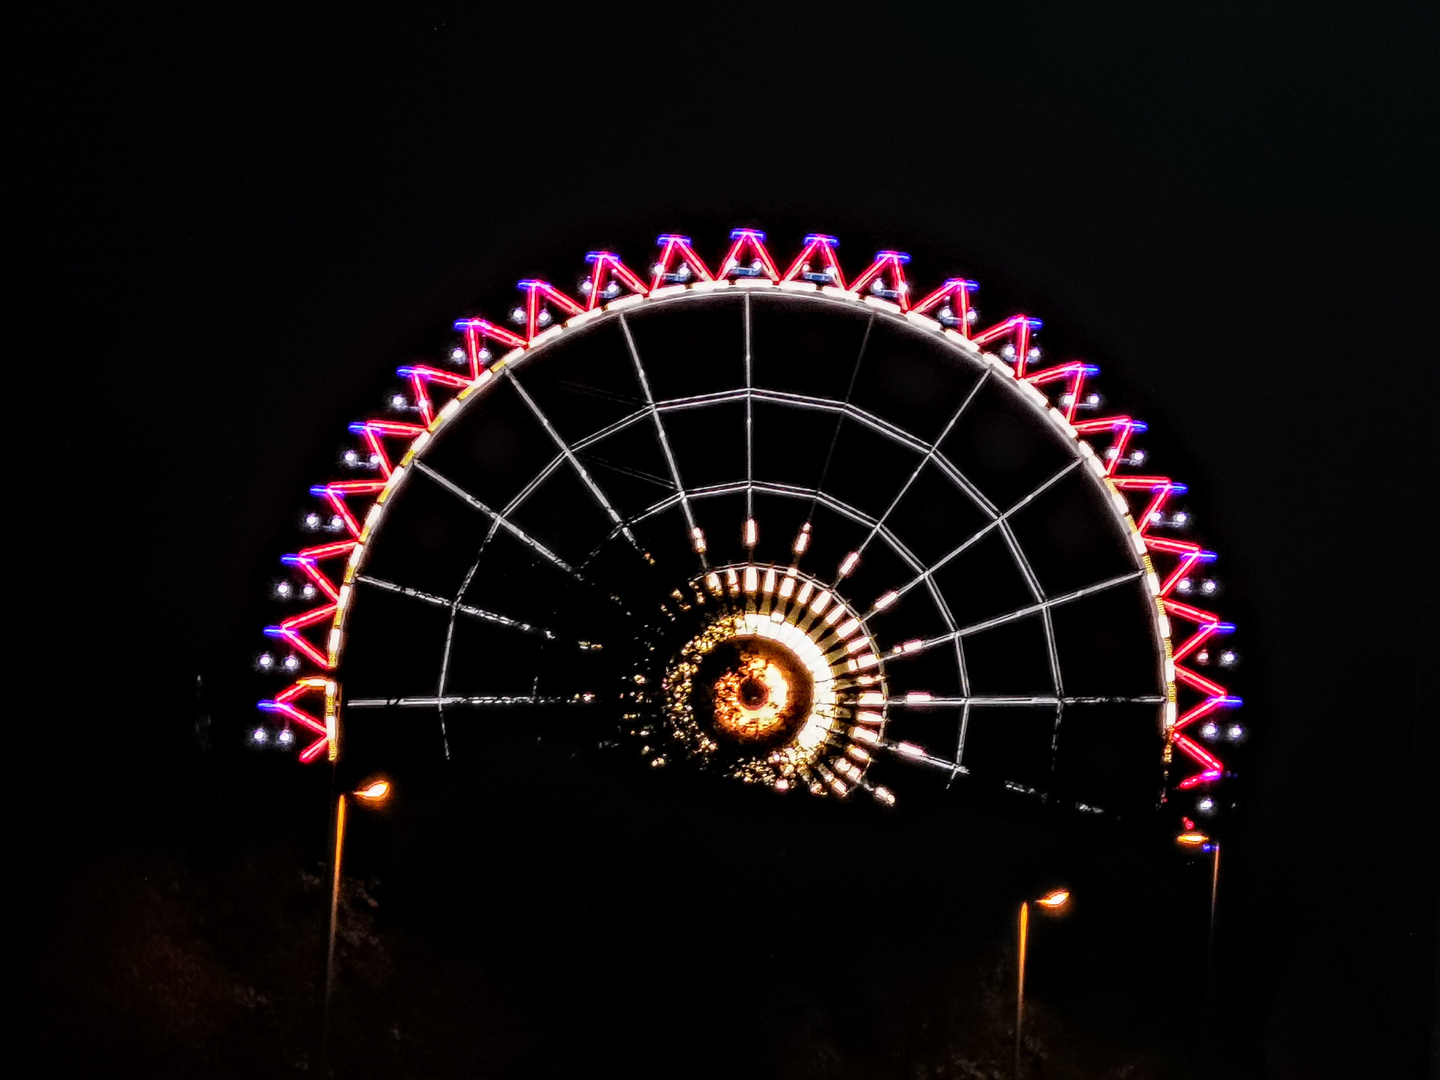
(753, 690)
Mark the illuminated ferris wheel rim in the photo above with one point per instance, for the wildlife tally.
(615, 291)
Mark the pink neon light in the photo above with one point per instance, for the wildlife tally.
(1185, 611)
(308, 618)
(1209, 776)
(607, 262)
(283, 704)
(299, 643)
(536, 294)
(419, 375)
(316, 575)
(315, 749)
(1123, 427)
(1199, 638)
(1205, 708)
(956, 293)
(374, 431)
(1074, 373)
(477, 332)
(327, 551)
(1143, 483)
(1182, 567)
(1199, 682)
(1172, 547)
(678, 245)
(752, 240)
(1199, 753)
(300, 717)
(895, 262)
(335, 493)
(1151, 513)
(999, 330)
(825, 246)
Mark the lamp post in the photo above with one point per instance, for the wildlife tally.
(373, 793)
(1052, 902)
(1195, 839)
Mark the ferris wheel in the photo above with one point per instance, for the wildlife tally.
(808, 532)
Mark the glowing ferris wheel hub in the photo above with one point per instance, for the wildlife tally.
(767, 672)
(783, 525)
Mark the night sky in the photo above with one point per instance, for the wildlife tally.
(227, 226)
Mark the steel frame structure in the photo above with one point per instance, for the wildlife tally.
(488, 354)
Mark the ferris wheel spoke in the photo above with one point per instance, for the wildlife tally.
(839, 420)
(661, 434)
(930, 454)
(983, 531)
(918, 755)
(749, 422)
(580, 470)
(1019, 613)
(500, 520)
(464, 701)
(926, 701)
(463, 609)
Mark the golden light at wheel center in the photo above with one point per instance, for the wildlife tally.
(782, 684)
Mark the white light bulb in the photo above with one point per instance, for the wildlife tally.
(291, 663)
(398, 401)
(259, 735)
(1209, 731)
(266, 660)
(457, 355)
(1235, 731)
(286, 737)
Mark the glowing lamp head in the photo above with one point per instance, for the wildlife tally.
(1056, 900)
(1192, 839)
(377, 791)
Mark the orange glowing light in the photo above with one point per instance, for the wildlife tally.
(753, 700)
(375, 791)
(1055, 900)
(1192, 839)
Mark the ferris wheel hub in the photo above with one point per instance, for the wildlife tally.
(771, 672)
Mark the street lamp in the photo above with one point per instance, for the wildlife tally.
(1053, 902)
(1198, 840)
(373, 793)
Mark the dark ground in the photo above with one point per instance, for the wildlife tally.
(226, 225)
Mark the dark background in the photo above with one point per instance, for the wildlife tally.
(226, 225)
